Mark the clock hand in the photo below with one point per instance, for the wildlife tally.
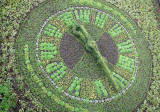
(90, 45)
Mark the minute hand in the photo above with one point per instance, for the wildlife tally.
(90, 45)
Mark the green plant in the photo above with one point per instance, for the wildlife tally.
(8, 98)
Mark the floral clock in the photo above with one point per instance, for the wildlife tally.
(83, 56)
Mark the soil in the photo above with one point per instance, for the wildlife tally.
(108, 48)
(70, 50)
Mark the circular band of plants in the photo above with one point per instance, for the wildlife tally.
(64, 76)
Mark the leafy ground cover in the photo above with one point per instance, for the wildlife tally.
(19, 30)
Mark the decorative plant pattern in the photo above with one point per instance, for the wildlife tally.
(24, 73)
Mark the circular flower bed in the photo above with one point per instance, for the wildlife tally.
(56, 73)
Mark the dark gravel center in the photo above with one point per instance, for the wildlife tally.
(70, 50)
(108, 48)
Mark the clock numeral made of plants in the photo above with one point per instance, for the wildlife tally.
(82, 54)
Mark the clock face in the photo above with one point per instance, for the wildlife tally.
(83, 56)
(70, 67)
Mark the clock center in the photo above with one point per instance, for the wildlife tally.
(81, 61)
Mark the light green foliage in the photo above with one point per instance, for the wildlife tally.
(100, 88)
(67, 18)
(76, 109)
(47, 46)
(75, 86)
(87, 16)
(115, 30)
(41, 84)
(76, 14)
(26, 51)
(101, 19)
(52, 31)
(83, 15)
(58, 70)
(119, 80)
(49, 67)
(48, 51)
(49, 93)
(126, 47)
(126, 63)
